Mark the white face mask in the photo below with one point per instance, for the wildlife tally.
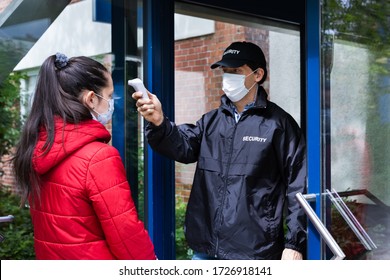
(105, 117)
(234, 86)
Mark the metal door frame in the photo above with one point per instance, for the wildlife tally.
(159, 75)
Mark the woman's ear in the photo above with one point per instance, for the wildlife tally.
(87, 99)
(259, 74)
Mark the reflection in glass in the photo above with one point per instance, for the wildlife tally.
(356, 122)
(351, 220)
(22, 23)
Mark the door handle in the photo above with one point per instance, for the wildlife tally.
(321, 228)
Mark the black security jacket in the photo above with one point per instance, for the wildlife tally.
(245, 173)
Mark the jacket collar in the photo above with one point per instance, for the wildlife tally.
(260, 103)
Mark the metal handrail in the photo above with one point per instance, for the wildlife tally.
(350, 219)
(6, 219)
(323, 231)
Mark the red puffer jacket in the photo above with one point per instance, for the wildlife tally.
(85, 209)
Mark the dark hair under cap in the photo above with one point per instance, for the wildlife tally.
(240, 53)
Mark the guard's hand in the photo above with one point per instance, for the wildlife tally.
(150, 108)
(289, 254)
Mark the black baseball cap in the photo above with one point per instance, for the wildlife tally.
(240, 53)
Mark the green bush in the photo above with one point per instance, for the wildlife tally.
(9, 112)
(18, 243)
(183, 252)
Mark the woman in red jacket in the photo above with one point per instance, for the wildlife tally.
(80, 200)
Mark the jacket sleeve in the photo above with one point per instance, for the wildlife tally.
(292, 160)
(178, 142)
(111, 199)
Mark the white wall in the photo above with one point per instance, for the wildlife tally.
(284, 70)
(188, 27)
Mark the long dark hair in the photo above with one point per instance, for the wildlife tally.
(58, 93)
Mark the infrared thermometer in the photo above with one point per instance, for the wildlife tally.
(138, 85)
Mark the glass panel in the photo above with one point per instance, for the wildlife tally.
(356, 120)
(22, 23)
(201, 35)
(134, 122)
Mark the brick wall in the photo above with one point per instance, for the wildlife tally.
(197, 86)
(6, 174)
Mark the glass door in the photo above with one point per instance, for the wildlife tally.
(201, 35)
(350, 206)
(355, 90)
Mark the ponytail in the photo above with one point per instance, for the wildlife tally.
(58, 92)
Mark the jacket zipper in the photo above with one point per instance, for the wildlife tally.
(224, 192)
